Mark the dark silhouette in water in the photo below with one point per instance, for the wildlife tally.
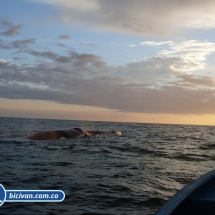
(65, 134)
(96, 133)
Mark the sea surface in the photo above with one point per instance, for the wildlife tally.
(133, 173)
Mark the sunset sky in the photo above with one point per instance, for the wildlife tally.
(147, 61)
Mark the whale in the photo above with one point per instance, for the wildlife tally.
(96, 132)
(67, 134)
(57, 134)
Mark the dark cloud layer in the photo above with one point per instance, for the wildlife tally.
(71, 85)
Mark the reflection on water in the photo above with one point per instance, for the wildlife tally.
(134, 173)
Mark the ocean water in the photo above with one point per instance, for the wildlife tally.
(134, 173)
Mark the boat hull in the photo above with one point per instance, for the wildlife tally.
(197, 198)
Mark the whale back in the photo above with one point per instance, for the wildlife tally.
(44, 135)
(78, 129)
(64, 134)
(57, 134)
(96, 132)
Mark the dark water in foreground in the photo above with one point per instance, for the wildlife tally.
(134, 173)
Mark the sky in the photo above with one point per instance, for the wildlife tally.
(148, 61)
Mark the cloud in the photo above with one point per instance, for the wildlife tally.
(149, 86)
(17, 44)
(160, 84)
(75, 59)
(140, 17)
(193, 52)
(93, 45)
(5, 65)
(129, 98)
(81, 5)
(47, 54)
(196, 81)
(20, 44)
(4, 45)
(154, 43)
(11, 29)
(66, 37)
